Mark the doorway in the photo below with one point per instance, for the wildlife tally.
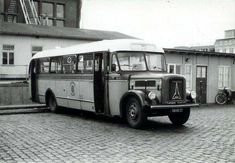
(201, 84)
(33, 80)
(99, 83)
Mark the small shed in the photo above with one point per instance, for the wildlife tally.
(205, 72)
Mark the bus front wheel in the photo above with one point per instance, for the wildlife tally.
(135, 115)
(52, 104)
(179, 119)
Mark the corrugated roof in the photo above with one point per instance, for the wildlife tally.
(196, 52)
(59, 32)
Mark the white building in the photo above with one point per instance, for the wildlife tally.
(18, 42)
(226, 45)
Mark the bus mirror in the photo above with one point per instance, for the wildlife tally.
(113, 68)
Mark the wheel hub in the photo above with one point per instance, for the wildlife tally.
(133, 112)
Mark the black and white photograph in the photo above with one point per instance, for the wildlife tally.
(122, 81)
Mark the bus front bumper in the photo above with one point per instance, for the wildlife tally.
(153, 107)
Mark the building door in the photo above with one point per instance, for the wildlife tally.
(201, 84)
(99, 83)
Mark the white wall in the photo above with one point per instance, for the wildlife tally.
(22, 52)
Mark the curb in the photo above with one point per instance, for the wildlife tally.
(24, 111)
(28, 106)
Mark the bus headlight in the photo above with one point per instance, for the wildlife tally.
(193, 94)
(151, 95)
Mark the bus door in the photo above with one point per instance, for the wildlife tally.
(99, 83)
(33, 81)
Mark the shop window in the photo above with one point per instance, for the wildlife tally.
(8, 55)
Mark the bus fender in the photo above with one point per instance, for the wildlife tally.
(138, 94)
(48, 93)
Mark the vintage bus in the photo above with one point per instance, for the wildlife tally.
(124, 77)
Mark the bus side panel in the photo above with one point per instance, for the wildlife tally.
(61, 92)
(73, 94)
(117, 88)
(87, 94)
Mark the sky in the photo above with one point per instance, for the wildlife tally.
(166, 23)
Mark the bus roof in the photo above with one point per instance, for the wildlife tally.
(98, 46)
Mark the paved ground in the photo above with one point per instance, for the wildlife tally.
(209, 136)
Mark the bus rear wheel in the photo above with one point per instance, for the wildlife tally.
(179, 119)
(52, 104)
(135, 115)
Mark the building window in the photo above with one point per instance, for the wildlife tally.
(174, 69)
(8, 55)
(47, 9)
(60, 15)
(52, 14)
(59, 11)
(36, 49)
(224, 77)
(188, 76)
(47, 13)
(230, 50)
(36, 6)
(60, 23)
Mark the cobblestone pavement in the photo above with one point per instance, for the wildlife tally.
(209, 136)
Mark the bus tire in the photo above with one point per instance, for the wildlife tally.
(178, 119)
(52, 104)
(135, 115)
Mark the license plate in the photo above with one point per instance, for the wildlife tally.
(178, 110)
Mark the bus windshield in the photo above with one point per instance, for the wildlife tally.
(141, 61)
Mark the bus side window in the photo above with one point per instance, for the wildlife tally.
(44, 65)
(56, 65)
(114, 66)
(69, 64)
(88, 63)
(85, 63)
(80, 64)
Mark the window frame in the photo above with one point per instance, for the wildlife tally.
(189, 87)
(8, 52)
(33, 52)
(223, 77)
(54, 17)
(174, 65)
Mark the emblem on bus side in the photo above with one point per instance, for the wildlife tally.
(69, 60)
(72, 88)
